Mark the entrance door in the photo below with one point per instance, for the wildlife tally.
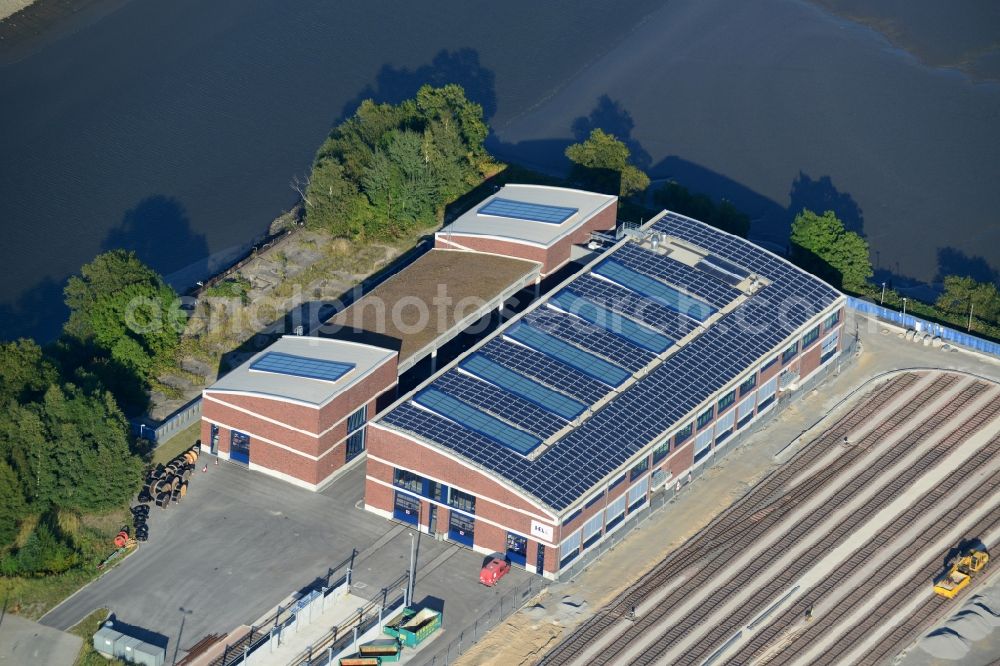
(239, 447)
(406, 508)
(432, 519)
(540, 560)
(214, 443)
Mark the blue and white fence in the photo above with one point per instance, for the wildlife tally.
(924, 326)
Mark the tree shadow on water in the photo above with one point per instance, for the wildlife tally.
(37, 313)
(610, 116)
(395, 84)
(820, 196)
(158, 230)
(952, 261)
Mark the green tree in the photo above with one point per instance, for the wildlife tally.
(962, 293)
(13, 506)
(25, 372)
(124, 308)
(820, 244)
(78, 454)
(389, 168)
(725, 215)
(602, 156)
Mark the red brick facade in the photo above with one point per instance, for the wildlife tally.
(552, 258)
(301, 443)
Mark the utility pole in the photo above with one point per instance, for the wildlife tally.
(970, 316)
(904, 307)
(882, 300)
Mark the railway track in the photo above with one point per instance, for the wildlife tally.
(731, 524)
(803, 639)
(787, 541)
(754, 516)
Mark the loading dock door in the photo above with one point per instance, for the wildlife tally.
(461, 529)
(406, 508)
(517, 549)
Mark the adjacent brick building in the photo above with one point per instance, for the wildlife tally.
(297, 410)
(535, 222)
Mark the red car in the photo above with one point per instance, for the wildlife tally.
(494, 570)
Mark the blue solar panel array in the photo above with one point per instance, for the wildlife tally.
(695, 282)
(523, 210)
(518, 384)
(658, 291)
(501, 404)
(593, 339)
(621, 326)
(580, 360)
(300, 366)
(481, 422)
(650, 406)
(615, 297)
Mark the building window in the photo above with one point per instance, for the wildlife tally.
(661, 451)
(437, 491)
(831, 321)
(409, 481)
(592, 530)
(614, 513)
(829, 347)
(616, 482)
(462, 501)
(702, 445)
(765, 396)
(748, 384)
(683, 434)
(569, 549)
(357, 419)
(790, 353)
(355, 444)
(727, 400)
(744, 412)
(637, 494)
(810, 337)
(705, 418)
(769, 364)
(639, 469)
(573, 516)
(594, 500)
(724, 427)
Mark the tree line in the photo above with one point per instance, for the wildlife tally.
(65, 447)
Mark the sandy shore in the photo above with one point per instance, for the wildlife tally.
(11, 7)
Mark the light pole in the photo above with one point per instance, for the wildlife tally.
(970, 316)
(413, 568)
(177, 645)
(882, 300)
(904, 307)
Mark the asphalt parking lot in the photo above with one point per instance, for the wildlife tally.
(242, 542)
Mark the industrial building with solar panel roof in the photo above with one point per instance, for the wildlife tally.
(649, 362)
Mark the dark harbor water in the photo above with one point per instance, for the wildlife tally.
(175, 128)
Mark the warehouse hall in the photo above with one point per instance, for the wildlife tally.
(541, 440)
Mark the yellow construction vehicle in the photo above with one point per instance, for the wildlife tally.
(960, 572)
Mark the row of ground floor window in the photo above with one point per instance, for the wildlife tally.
(487, 525)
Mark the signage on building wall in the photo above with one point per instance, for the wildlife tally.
(541, 531)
